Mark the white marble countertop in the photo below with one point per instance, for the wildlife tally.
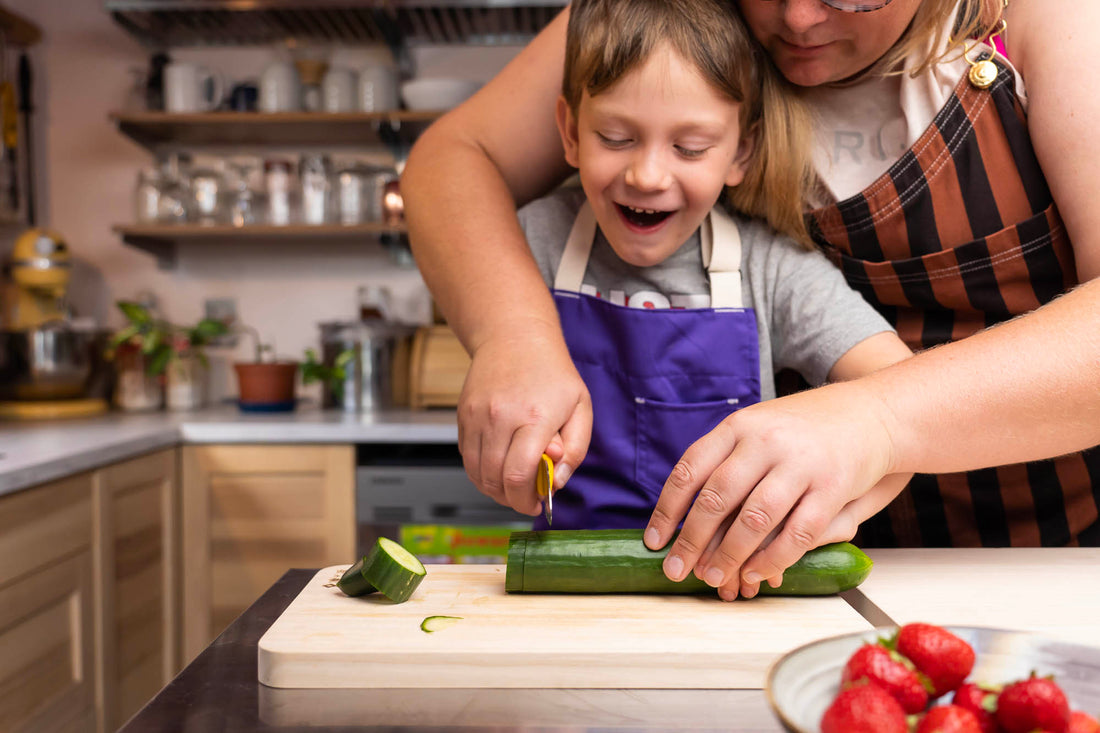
(35, 452)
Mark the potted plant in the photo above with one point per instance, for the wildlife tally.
(188, 369)
(265, 386)
(333, 378)
(150, 351)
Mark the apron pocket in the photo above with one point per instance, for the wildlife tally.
(666, 430)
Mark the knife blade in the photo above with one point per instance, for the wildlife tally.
(544, 485)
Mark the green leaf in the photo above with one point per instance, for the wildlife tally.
(343, 358)
(159, 360)
(124, 335)
(151, 343)
(206, 329)
(135, 312)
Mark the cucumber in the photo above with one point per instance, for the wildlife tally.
(352, 581)
(436, 623)
(617, 561)
(388, 568)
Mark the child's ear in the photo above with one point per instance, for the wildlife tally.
(741, 159)
(567, 127)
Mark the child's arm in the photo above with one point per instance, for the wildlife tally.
(869, 355)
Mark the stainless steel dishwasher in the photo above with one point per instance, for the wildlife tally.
(419, 495)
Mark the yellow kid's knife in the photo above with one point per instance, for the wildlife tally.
(544, 484)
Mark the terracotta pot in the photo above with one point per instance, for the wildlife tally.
(266, 386)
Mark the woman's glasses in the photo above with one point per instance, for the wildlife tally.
(857, 6)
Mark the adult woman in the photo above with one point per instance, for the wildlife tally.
(943, 217)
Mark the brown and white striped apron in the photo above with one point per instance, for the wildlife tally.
(962, 233)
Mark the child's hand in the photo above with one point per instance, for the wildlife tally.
(522, 398)
(805, 467)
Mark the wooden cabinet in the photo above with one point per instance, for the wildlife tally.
(47, 677)
(250, 513)
(136, 576)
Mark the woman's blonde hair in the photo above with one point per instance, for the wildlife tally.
(606, 39)
(976, 19)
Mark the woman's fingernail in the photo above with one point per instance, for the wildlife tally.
(562, 471)
(652, 538)
(752, 577)
(714, 577)
(674, 567)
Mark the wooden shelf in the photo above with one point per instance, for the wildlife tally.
(158, 131)
(161, 240)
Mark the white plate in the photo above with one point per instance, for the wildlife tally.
(804, 681)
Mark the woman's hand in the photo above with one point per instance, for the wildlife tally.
(773, 481)
(522, 397)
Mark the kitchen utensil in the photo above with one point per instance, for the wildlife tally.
(378, 88)
(326, 639)
(437, 93)
(802, 683)
(50, 362)
(192, 88)
(544, 483)
(376, 376)
(280, 88)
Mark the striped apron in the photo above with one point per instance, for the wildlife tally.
(962, 233)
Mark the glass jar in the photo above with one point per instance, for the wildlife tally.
(243, 205)
(278, 183)
(359, 189)
(174, 201)
(314, 172)
(206, 191)
(147, 195)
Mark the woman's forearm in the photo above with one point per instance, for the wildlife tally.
(1027, 389)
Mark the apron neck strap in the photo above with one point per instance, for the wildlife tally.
(721, 250)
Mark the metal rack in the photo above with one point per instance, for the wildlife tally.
(175, 23)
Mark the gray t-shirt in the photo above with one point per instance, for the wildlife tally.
(806, 315)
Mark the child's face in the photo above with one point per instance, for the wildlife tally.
(654, 152)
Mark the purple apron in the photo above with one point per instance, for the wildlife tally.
(659, 378)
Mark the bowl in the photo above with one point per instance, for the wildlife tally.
(50, 362)
(437, 93)
(803, 682)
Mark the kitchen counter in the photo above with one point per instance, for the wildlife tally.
(32, 453)
(219, 691)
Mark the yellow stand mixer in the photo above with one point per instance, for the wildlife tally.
(46, 365)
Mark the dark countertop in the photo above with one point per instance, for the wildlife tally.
(219, 691)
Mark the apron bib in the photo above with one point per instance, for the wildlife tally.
(960, 234)
(659, 379)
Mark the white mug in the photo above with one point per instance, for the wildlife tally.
(338, 90)
(192, 88)
(280, 88)
(378, 89)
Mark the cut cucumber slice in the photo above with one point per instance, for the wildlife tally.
(393, 570)
(435, 623)
(352, 581)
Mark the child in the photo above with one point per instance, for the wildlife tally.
(676, 313)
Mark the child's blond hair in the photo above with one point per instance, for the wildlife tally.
(606, 39)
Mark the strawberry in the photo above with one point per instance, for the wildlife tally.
(939, 655)
(949, 719)
(1036, 703)
(890, 671)
(1082, 723)
(981, 700)
(864, 708)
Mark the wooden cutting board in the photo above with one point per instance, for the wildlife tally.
(325, 639)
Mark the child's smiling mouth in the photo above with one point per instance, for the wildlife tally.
(639, 218)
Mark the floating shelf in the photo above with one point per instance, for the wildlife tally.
(234, 131)
(162, 240)
(162, 24)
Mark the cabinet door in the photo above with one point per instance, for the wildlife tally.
(252, 512)
(46, 641)
(136, 574)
